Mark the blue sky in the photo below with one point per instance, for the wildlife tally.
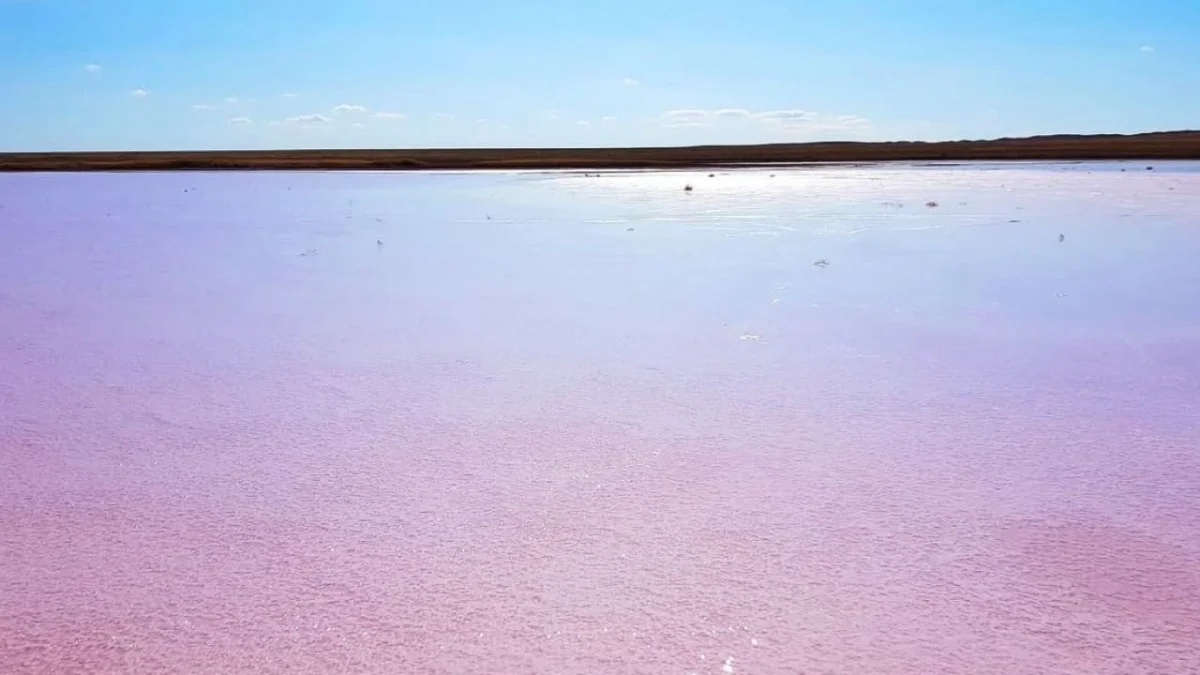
(152, 74)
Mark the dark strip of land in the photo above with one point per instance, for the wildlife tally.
(1160, 146)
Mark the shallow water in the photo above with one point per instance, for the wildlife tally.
(475, 423)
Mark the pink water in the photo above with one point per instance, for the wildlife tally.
(237, 435)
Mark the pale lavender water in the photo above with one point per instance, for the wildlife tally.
(541, 443)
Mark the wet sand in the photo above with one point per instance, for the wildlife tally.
(1165, 145)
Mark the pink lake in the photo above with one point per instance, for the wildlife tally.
(525, 423)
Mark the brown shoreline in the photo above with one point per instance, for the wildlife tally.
(1151, 146)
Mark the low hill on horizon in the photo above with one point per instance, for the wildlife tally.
(1059, 147)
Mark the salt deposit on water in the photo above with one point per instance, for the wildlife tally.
(524, 438)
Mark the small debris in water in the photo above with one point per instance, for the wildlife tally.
(379, 243)
(1014, 220)
(308, 252)
(822, 263)
(489, 216)
(687, 188)
(629, 229)
(931, 204)
(1062, 237)
(1149, 168)
(749, 337)
(712, 175)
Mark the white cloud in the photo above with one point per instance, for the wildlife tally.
(1147, 48)
(686, 118)
(359, 125)
(784, 116)
(442, 116)
(92, 67)
(204, 106)
(348, 108)
(383, 115)
(553, 115)
(583, 123)
(241, 121)
(231, 100)
(310, 120)
(139, 93)
(732, 112)
(290, 95)
(273, 123)
(630, 82)
(852, 120)
(608, 119)
(791, 121)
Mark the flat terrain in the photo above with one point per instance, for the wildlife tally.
(1164, 145)
(791, 421)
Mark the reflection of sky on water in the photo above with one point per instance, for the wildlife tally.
(519, 437)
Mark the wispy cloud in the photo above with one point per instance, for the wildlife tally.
(443, 116)
(608, 119)
(241, 121)
(732, 112)
(793, 120)
(92, 67)
(290, 95)
(553, 115)
(1147, 49)
(583, 123)
(348, 108)
(139, 93)
(686, 118)
(227, 102)
(314, 119)
(790, 120)
(394, 116)
(630, 82)
(784, 116)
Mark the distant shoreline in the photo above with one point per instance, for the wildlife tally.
(1177, 145)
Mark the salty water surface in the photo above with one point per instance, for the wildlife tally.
(792, 421)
